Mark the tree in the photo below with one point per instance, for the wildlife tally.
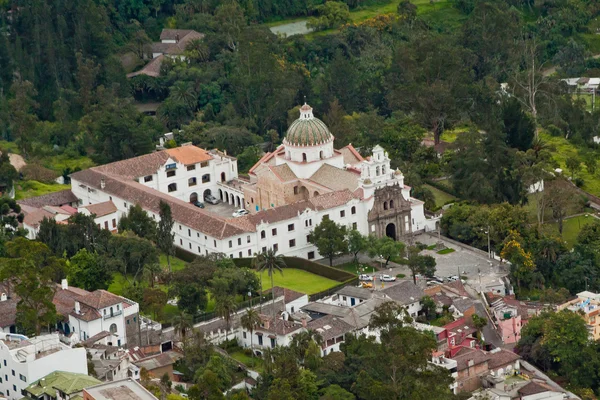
(270, 261)
(231, 21)
(384, 247)
(336, 392)
(330, 239)
(225, 307)
(419, 264)
(21, 110)
(139, 222)
(140, 44)
(574, 165)
(154, 300)
(331, 15)
(250, 320)
(89, 271)
(522, 265)
(559, 199)
(182, 323)
(519, 127)
(164, 233)
(356, 243)
(479, 323)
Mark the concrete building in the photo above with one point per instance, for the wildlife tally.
(126, 389)
(26, 360)
(289, 192)
(588, 305)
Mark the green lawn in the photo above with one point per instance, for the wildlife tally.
(61, 162)
(571, 228)
(177, 264)
(298, 280)
(441, 197)
(254, 363)
(563, 149)
(9, 146)
(351, 267)
(26, 189)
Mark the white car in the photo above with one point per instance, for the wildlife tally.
(387, 278)
(453, 278)
(240, 213)
(363, 277)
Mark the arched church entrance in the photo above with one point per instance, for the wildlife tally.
(390, 231)
(193, 197)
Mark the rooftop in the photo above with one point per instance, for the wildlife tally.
(404, 292)
(66, 382)
(101, 209)
(126, 389)
(51, 199)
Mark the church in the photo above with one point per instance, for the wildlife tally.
(287, 193)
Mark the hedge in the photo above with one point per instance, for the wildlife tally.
(443, 188)
(185, 255)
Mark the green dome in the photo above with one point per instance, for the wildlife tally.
(307, 130)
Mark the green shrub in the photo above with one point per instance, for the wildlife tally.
(446, 251)
(579, 182)
(554, 130)
(400, 276)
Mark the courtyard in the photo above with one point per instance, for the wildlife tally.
(298, 280)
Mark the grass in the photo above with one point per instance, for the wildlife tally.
(254, 363)
(298, 280)
(177, 264)
(351, 267)
(26, 189)
(562, 149)
(571, 228)
(588, 100)
(61, 162)
(441, 197)
(446, 251)
(9, 146)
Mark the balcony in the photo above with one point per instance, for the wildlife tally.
(113, 314)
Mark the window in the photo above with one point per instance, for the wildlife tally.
(215, 243)
(172, 187)
(308, 238)
(377, 171)
(199, 251)
(171, 173)
(290, 227)
(148, 178)
(204, 164)
(125, 204)
(231, 256)
(295, 189)
(230, 244)
(205, 178)
(353, 210)
(241, 254)
(248, 239)
(239, 242)
(190, 245)
(179, 227)
(189, 233)
(13, 372)
(191, 167)
(311, 255)
(192, 181)
(114, 223)
(264, 249)
(275, 247)
(198, 234)
(274, 232)
(304, 157)
(260, 341)
(22, 377)
(106, 225)
(326, 216)
(263, 234)
(244, 335)
(354, 225)
(292, 242)
(383, 170)
(342, 214)
(181, 242)
(249, 252)
(272, 343)
(391, 203)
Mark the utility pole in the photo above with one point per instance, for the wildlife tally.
(489, 243)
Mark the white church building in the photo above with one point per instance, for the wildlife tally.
(288, 193)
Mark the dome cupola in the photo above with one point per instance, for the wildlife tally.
(307, 130)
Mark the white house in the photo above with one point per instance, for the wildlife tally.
(106, 215)
(25, 360)
(101, 311)
(290, 191)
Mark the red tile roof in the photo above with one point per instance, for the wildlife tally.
(101, 209)
(188, 155)
(101, 299)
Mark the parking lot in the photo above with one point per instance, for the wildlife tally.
(222, 209)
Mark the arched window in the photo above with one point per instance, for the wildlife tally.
(385, 206)
(377, 171)
(383, 170)
(315, 194)
(353, 210)
(223, 177)
(391, 203)
(172, 187)
(263, 234)
(205, 178)
(303, 157)
(113, 328)
(321, 154)
(111, 311)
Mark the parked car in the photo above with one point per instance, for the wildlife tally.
(366, 285)
(438, 279)
(209, 198)
(433, 283)
(453, 278)
(363, 277)
(387, 278)
(198, 204)
(240, 213)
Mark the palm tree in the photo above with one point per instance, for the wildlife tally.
(270, 261)
(182, 323)
(184, 93)
(151, 271)
(225, 307)
(302, 340)
(249, 321)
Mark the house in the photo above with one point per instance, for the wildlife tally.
(101, 311)
(110, 362)
(511, 315)
(106, 215)
(60, 385)
(438, 359)
(588, 305)
(289, 192)
(126, 389)
(406, 293)
(332, 330)
(350, 296)
(26, 360)
(33, 217)
(293, 300)
(461, 333)
(56, 199)
(441, 334)
(160, 364)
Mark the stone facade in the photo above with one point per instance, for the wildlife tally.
(391, 213)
